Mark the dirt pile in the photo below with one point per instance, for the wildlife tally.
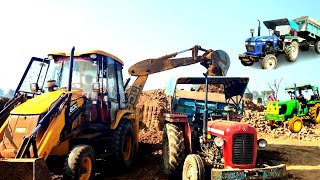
(257, 120)
(249, 105)
(152, 104)
(218, 88)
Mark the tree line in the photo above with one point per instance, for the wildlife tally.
(9, 93)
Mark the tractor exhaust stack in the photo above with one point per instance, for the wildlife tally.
(259, 28)
(205, 111)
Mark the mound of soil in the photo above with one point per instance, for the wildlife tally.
(249, 105)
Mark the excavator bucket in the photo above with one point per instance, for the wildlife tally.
(24, 169)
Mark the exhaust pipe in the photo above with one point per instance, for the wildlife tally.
(205, 111)
(259, 28)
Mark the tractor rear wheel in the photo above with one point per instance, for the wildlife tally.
(314, 112)
(295, 125)
(193, 168)
(291, 51)
(172, 149)
(247, 63)
(269, 62)
(123, 144)
(317, 47)
(81, 163)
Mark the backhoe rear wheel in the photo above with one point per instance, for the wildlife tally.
(291, 51)
(295, 125)
(269, 62)
(123, 148)
(193, 168)
(317, 47)
(172, 149)
(314, 113)
(81, 163)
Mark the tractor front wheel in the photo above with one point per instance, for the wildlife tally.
(247, 63)
(314, 113)
(317, 47)
(123, 144)
(269, 62)
(81, 163)
(295, 125)
(193, 168)
(172, 149)
(291, 51)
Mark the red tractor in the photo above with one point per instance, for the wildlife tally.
(202, 134)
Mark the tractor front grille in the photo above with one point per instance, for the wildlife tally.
(243, 146)
(250, 48)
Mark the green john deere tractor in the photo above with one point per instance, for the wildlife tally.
(295, 110)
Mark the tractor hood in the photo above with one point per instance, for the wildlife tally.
(262, 38)
(224, 128)
(39, 104)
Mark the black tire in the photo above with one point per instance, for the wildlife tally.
(78, 163)
(269, 62)
(304, 48)
(314, 112)
(291, 51)
(172, 149)
(317, 47)
(247, 63)
(123, 148)
(193, 162)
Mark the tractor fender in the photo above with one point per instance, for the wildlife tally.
(182, 119)
(287, 40)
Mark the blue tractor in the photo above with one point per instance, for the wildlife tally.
(283, 39)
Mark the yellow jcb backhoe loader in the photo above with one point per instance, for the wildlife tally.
(76, 105)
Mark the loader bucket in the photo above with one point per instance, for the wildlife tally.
(24, 169)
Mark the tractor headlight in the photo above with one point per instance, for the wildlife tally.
(218, 142)
(253, 43)
(247, 43)
(262, 143)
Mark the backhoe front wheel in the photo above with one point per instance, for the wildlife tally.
(193, 168)
(291, 51)
(123, 144)
(295, 124)
(81, 163)
(172, 149)
(269, 62)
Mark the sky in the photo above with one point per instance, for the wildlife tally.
(141, 29)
